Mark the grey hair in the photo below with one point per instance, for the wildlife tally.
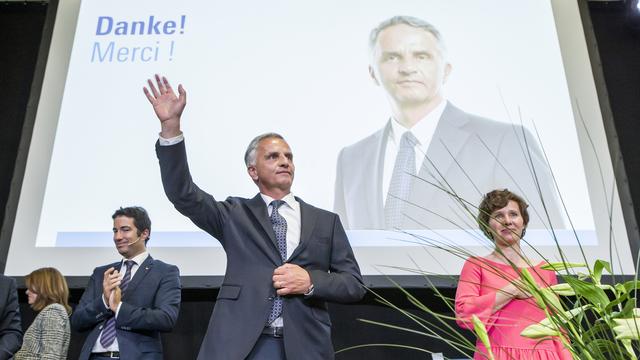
(250, 154)
(410, 21)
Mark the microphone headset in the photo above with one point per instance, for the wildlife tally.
(131, 243)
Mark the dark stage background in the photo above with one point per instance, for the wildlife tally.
(615, 54)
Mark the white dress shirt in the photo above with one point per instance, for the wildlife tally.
(423, 130)
(170, 141)
(138, 259)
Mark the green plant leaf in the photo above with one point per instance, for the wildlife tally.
(547, 327)
(560, 266)
(617, 301)
(629, 348)
(598, 267)
(563, 289)
(583, 276)
(481, 332)
(531, 286)
(589, 291)
(627, 328)
(601, 349)
(632, 285)
(540, 331)
(596, 331)
(551, 299)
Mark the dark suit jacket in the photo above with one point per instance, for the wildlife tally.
(150, 305)
(243, 228)
(10, 328)
(469, 156)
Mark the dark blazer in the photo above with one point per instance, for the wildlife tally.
(469, 156)
(150, 305)
(243, 228)
(10, 328)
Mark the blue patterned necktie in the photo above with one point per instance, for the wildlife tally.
(109, 330)
(402, 178)
(280, 229)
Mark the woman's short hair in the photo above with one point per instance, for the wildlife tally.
(495, 200)
(50, 286)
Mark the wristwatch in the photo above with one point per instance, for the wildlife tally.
(309, 291)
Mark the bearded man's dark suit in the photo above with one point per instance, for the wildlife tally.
(150, 305)
(245, 298)
(469, 156)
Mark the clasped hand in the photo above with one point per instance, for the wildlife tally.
(290, 279)
(111, 292)
(518, 290)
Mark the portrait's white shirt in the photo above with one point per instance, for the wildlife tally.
(423, 130)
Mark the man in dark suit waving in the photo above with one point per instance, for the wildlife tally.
(127, 304)
(285, 258)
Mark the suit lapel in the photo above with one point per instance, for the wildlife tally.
(307, 224)
(259, 210)
(448, 140)
(376, 210)
(142, 271)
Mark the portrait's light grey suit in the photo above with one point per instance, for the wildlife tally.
(246, 295)
(469, 156)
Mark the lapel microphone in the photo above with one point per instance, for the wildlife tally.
(131, 243)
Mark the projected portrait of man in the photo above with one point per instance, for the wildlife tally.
(431, 160)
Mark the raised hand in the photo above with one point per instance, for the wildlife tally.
(167, 106)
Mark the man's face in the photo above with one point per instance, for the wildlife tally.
(410, 66)
(273, 171)
(125, 236)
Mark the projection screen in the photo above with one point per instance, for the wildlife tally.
(301, 69)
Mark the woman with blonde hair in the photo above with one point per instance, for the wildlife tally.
(48, 336)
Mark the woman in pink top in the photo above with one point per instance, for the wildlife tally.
(486, 288)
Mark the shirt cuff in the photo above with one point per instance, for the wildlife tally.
(309, 292)
(118, 309)
(171, 141)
